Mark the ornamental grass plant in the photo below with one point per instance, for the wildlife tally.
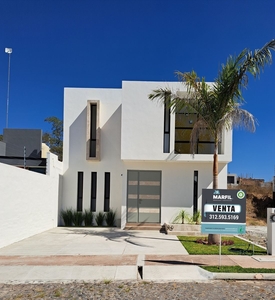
(78, 218)
(67, 216)
(88, 217)
(100, 218)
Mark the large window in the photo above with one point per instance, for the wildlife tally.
(93, 132)
(184, 122)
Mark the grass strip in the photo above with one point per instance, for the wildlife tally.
(239, 247)
(236, 269)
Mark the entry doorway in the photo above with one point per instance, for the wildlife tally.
(143, 196)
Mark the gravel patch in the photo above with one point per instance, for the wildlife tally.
(141, 290)
(257, 237)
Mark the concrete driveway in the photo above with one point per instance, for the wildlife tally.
(88, 254)
(64, 254)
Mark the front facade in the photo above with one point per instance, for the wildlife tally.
(126, 153)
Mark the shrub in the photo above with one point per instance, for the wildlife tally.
(88, 217)
(181, 216)
(67, 216)
(197, 217)
(78, 218)
(223, 242)
(110, 218)
(99, 218)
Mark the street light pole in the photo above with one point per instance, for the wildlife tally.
(9, 51)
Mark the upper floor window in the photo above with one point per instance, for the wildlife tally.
(166, 133)
(184, 122)
(93, 131)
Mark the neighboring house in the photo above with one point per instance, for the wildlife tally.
(232, 179)
(23, 148)
(124, 152)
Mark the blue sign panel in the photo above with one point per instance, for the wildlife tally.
(222, 228)
(223, 211)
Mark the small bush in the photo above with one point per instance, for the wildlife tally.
(99, 218)
(110, 218)
(67, 216)
(181, 216)
(88, 218)
(197, 217)
(78, 218)
(202, 241)
(224, 242)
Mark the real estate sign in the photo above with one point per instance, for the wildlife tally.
(223, 211)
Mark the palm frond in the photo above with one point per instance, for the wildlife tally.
(218, 106)
(199, 128)
(160, 94)
(255, 63)
(243, 118)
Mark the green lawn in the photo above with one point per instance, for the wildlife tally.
(240, 247)
(236, 269)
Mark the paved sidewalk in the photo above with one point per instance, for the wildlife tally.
(65, 254)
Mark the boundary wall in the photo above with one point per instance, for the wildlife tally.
(28, 201)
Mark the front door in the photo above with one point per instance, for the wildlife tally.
(143, 196)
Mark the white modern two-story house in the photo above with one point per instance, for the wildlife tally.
(125, 152)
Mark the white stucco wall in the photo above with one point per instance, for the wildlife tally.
(143, 122)
(29, 202)
(75, 122)
(176, 185)
(131, 129)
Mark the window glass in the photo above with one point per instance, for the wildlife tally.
(184, 122)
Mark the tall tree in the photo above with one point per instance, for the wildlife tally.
(218, 106)
(54, 139)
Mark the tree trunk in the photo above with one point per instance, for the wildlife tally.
(214, 238)
(215, 171)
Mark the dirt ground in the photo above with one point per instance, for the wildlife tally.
(258, 199)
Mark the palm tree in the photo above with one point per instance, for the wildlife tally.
(218, 105)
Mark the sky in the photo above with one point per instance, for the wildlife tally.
(100, 43)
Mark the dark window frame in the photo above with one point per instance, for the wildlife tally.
(93, 131)
(199, 142)
(93, 125)
(80, 181)
(107, 187)
(93, 191)
(167, 125)
(195, 191)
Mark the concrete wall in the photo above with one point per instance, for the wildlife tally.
(29, 201)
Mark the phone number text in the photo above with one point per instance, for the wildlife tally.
(222, 217)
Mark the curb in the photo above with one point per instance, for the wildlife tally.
(244, 276)
(237, 276)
